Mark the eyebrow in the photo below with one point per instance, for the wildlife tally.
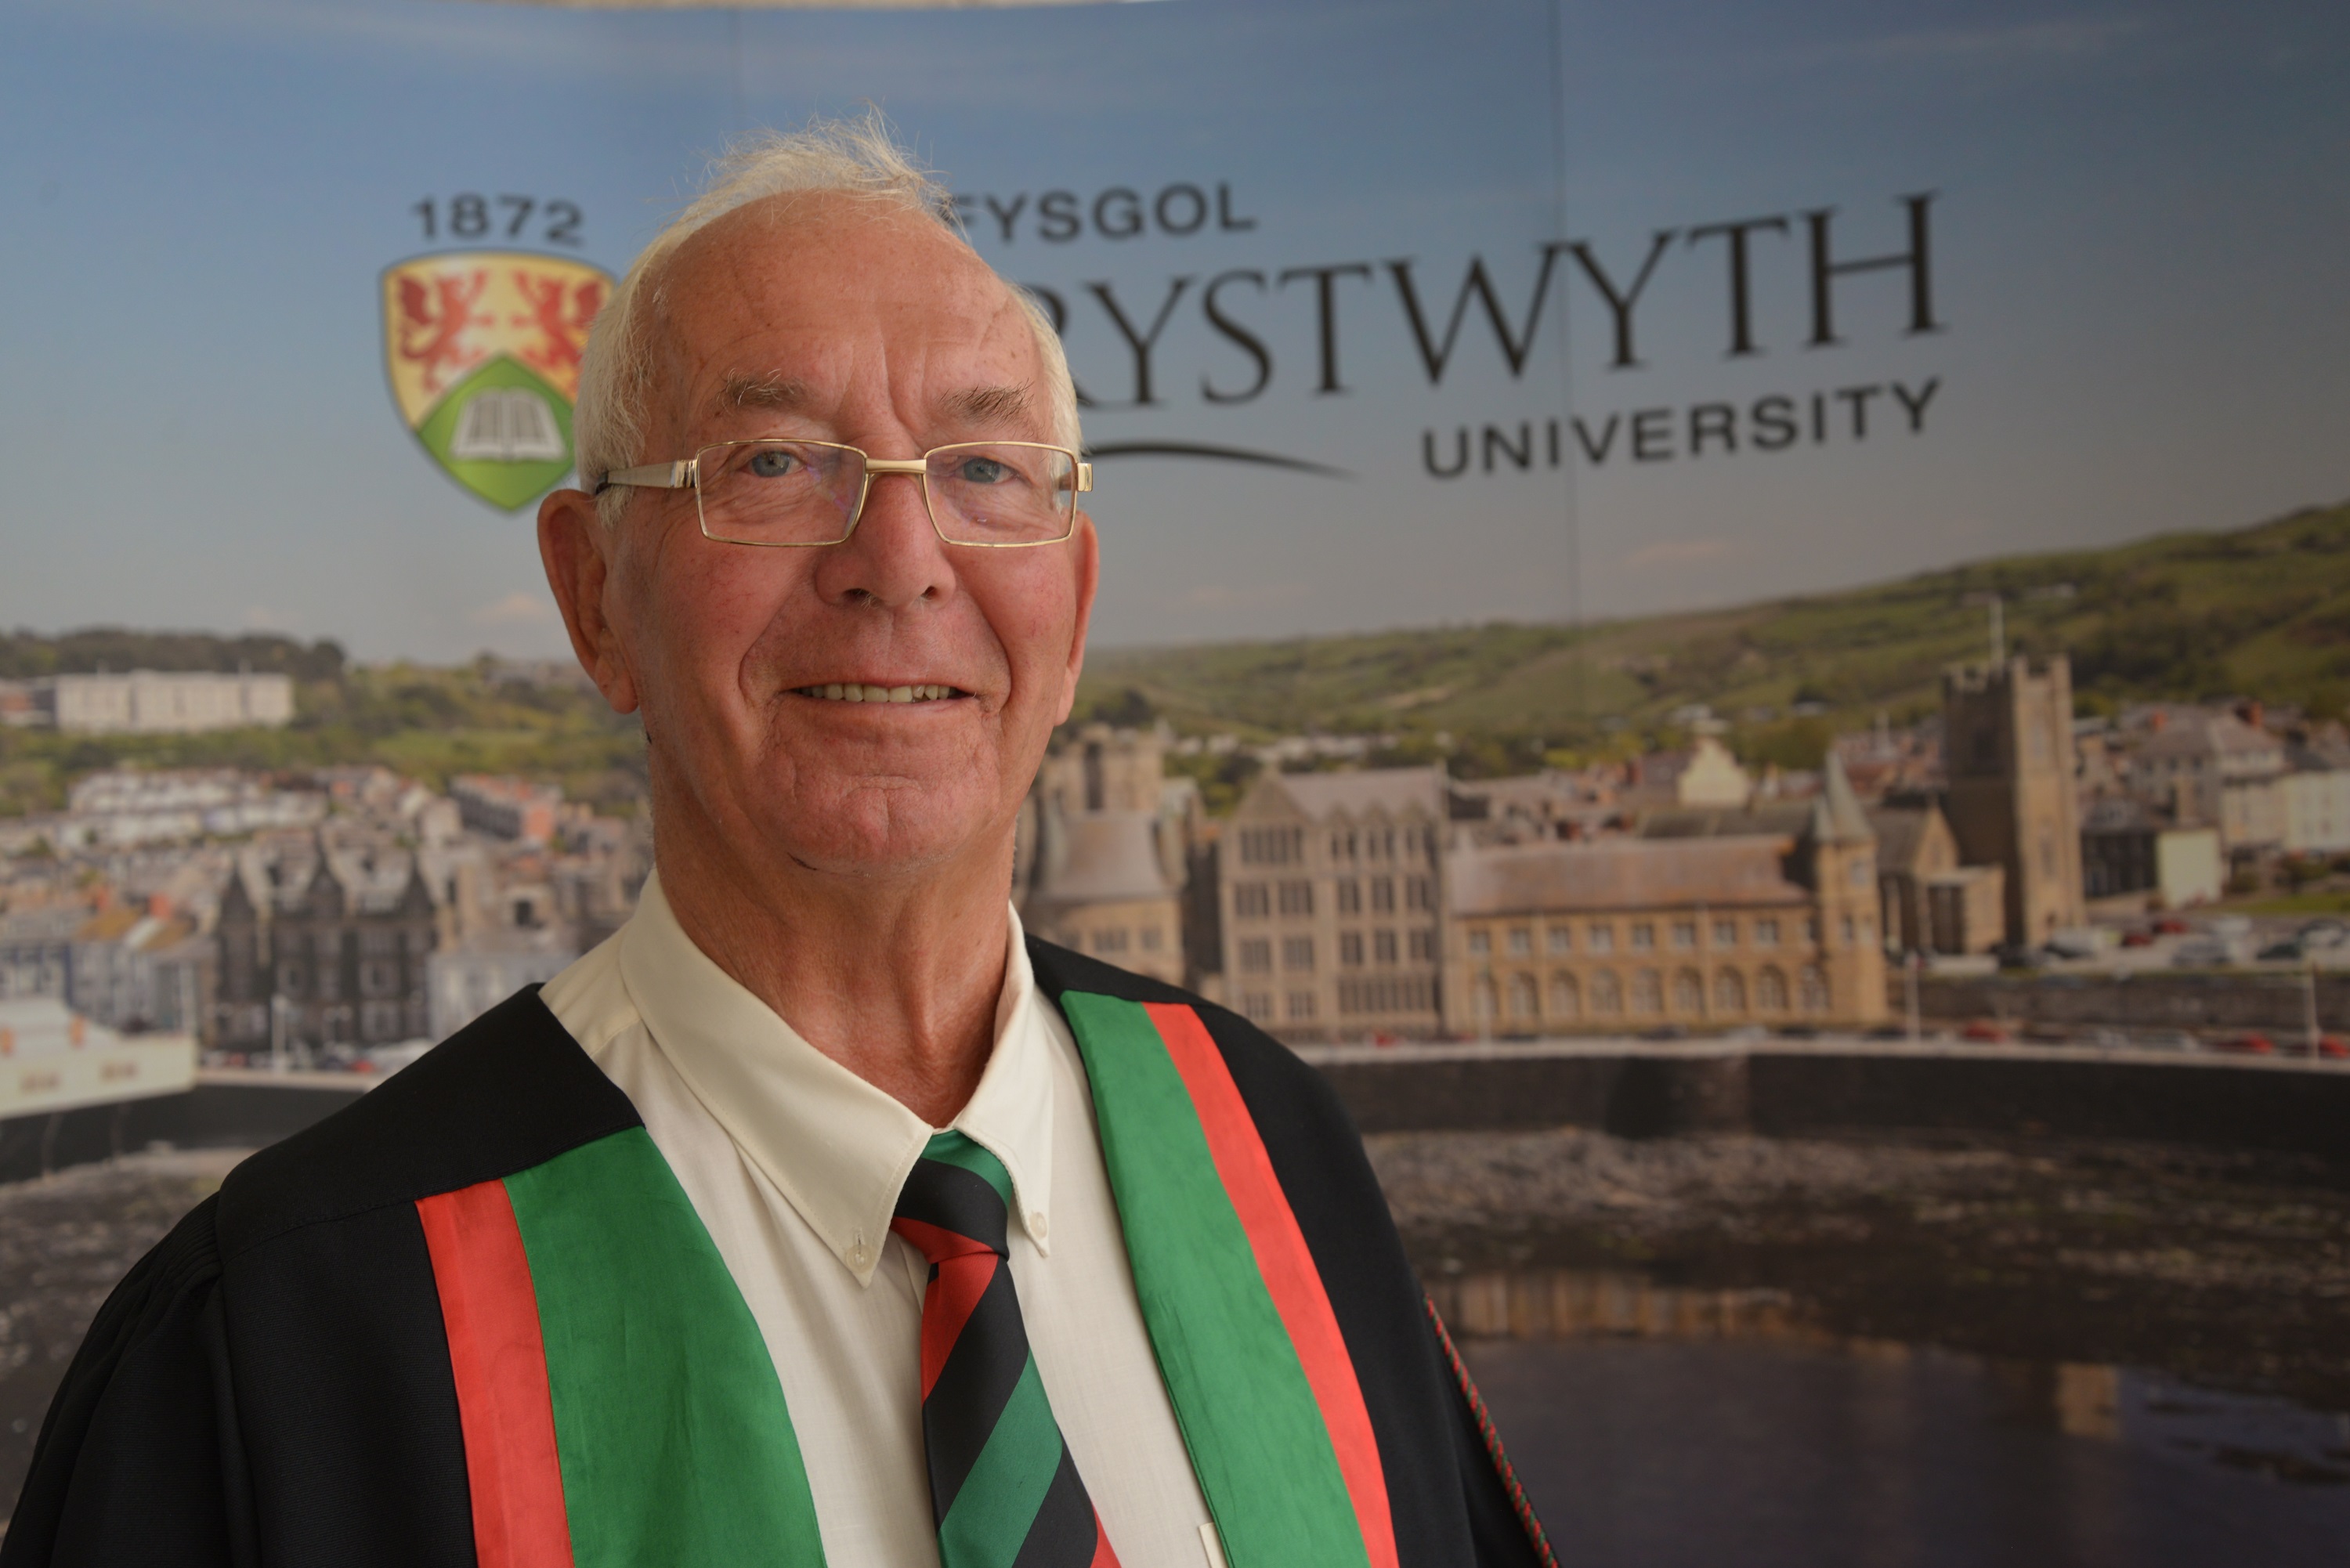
(761, 392)
(988, 405)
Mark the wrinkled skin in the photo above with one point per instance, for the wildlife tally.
(848, 863)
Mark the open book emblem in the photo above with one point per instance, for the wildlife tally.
(482, 351)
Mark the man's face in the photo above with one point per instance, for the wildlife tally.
(843, 322)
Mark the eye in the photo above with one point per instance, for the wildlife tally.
(771, 463)
(983, 471)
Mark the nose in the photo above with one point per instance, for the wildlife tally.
(894, 557)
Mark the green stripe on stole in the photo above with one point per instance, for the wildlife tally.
(1249, 1417)
(669, 1422)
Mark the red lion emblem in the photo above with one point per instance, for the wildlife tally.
(434, 322)
(562, 316)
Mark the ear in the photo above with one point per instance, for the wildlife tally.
(577, 550)
(1086, 548)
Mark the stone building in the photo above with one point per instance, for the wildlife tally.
(2011, 800)
(2221, 769)
(339, 949)
(1707, 920)
(1330, 904)
(1105, 849)
(1914, 846)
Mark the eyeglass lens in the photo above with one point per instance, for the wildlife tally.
(806, 493)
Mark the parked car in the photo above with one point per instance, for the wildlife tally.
(2017, 955)
(2249, 1045)
(2138, 938)
(2325, 931)
(2289, 950)
(1983, 1032)
(2165, 1040)
(2105, 1037)
(2333, 1048)
(2171, 926)
(2073, 945)
(2203, 952)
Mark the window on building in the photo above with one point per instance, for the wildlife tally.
(1602, 938)
(1383, 947)
(1565, 998)
(1257, 1005)
(1562, 940)
(1297, 898)
(1770, 991)
(1351, 896)
(1383, 894)
(1684, 936)
(1297, 952)
(1301, 1006)
(1729, 993)
(1607, 994)
(1256, 956)
(1271, 845)
(1647, 992)
(1110, 939)
(1522, 941)
(289, 980)
(1150, 938)
(1252, 900)
(1644, 936)
(1689, 991)
(1419, 892)
(1766, 934)
(1816, 989)
(1851, 933)
(1811, 930)
(1489, 1004)
(1350, 949)
(1480, 943)
(1725, 933)
(1526, 1001)
(1858, 873)
(1423, 945)
(377, 942)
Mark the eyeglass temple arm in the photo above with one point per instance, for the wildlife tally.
(679, 475)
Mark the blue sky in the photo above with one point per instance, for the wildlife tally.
(2138, 223)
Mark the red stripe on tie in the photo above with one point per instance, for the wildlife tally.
(948, 1303)
(1103, 1556)
(490, 1310)
(936, 1242)
(1283, 1258)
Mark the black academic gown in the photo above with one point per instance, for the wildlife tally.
(272, 1384)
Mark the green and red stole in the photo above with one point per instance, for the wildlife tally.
(619, 1409)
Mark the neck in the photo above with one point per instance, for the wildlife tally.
(895, 978)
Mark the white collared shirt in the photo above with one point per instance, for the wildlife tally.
(795, 1163)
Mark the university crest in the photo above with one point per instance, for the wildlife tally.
(483, 349)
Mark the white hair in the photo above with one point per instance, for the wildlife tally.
(857, 158)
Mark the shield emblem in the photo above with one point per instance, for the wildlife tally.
(482, 348)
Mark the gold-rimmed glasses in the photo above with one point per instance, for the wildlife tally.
(798, 495)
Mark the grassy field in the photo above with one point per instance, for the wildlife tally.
(2263, 611)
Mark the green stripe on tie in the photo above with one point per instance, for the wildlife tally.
(999, 1499)
(669, 1422)
(952, 1148)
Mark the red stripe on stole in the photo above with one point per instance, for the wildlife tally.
(490, 1309)
(1283, 1258)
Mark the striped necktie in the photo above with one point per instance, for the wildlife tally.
(1005, 1491)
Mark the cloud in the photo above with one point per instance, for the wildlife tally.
(518, 608)
(1678, 553)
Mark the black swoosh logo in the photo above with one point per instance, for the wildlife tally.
(1213, 454)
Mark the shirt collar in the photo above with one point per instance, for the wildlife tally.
(836, 1148)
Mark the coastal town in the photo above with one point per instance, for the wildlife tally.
(347, 916)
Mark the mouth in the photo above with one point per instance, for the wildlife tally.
(854, 691)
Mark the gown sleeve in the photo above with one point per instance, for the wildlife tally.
(140, 1461)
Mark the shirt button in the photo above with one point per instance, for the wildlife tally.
(857, 1252)
(1037, 1224)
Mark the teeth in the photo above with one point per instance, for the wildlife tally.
(854, 691)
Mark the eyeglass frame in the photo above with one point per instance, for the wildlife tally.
(685, 473)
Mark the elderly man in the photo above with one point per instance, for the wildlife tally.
(817, 1216)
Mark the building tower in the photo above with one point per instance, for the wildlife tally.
(2007, 750)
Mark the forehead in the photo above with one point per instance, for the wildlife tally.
(831, 295)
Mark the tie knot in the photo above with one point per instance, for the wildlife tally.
(956, 1200)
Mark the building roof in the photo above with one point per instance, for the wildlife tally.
(1363, 792)
(2191, 734)
(1775, 818)
(1621, 874)
(1104, 857)
(1900, 831)
(1837, 816)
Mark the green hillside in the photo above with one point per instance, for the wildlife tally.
(2262, 611)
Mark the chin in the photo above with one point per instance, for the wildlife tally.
(871, 827)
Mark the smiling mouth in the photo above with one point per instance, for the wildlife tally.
(854, 692)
